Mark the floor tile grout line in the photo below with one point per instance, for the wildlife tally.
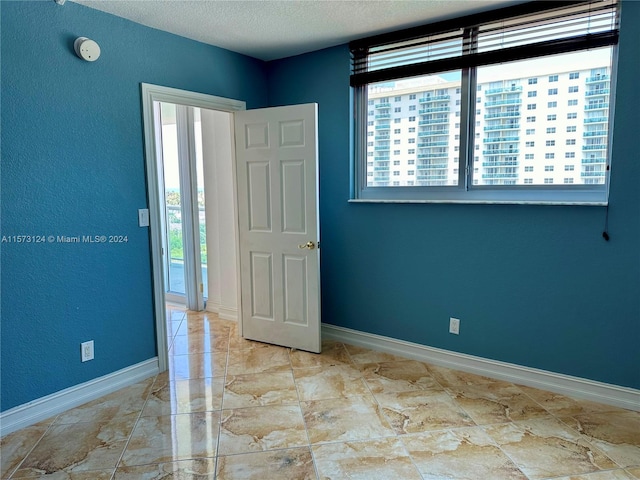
(10, 476)
(502, 450)
(224, 390)
(304, 421)
(133, 428)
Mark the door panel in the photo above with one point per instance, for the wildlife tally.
(259, 191)
(276, 157)
(293, 208)
(261, 286)
(295, 289)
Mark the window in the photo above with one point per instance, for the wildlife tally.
(528, 181)
(570, 155)
(548, 168)
(412, 108)
(574, 75)
(397, 99)
(573, 89)
(573, 102)
(571, 128)
(497, 53)
(569, 168)
(572, 115)
(528, 169)
(396, 130)
(571, 141)
(412, 96)
(397, 109)
(568, 180)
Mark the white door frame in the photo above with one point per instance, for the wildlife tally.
(150, 94)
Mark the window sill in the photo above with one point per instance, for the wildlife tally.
(483, 202)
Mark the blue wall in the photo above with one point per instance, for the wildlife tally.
(533, 285)
(73, 164)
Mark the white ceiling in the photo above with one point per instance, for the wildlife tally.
(272, 29)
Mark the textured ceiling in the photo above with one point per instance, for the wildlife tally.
(271, 29)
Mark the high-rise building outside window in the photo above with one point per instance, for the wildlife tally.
(450, 115)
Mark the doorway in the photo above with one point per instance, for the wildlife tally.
(212, 114)
(271, 179)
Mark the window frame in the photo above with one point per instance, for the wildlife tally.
(466, 191)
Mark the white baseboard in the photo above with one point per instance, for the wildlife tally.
(46, 407)
(623, 397)
(225, 313)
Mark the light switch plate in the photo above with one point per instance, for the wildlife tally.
(143, 217)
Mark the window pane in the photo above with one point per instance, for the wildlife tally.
(578, 131)
(429, 130)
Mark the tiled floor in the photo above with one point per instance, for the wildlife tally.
(234, 409)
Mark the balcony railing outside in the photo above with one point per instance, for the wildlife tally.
(433, 133)
(598, 78)
(504, 126)
(495, 91)
(502, 115)
(434, 98)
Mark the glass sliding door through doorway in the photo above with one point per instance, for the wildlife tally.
(180, 179)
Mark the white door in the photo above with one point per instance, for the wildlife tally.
(277, 187)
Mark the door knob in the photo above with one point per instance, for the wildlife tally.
(309, 245)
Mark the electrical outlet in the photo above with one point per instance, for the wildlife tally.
(86, 351)
(454, 326)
